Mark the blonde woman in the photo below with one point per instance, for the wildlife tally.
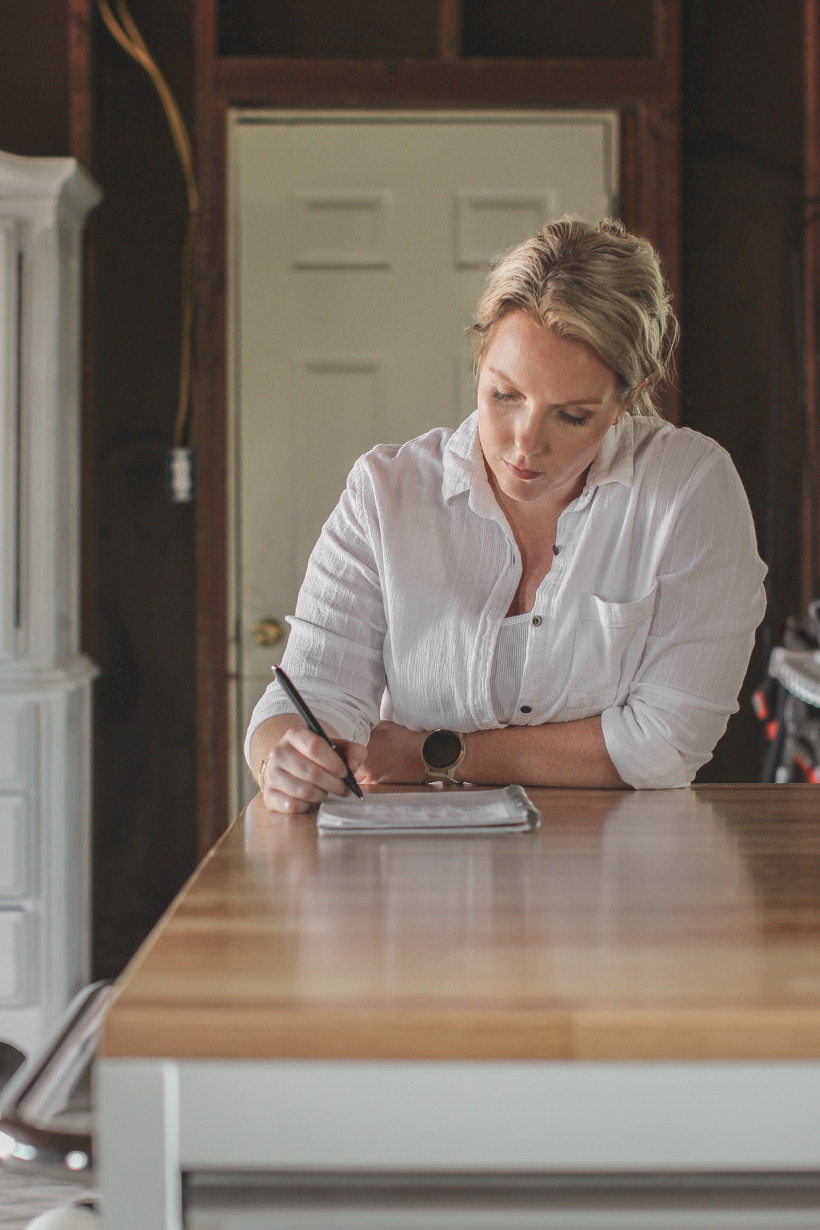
(562, 592)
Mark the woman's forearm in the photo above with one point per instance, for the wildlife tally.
(554, 754)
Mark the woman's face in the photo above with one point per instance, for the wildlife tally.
(545, 404)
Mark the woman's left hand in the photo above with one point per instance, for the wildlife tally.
(393, 755)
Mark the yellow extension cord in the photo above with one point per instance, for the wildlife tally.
(131, 41)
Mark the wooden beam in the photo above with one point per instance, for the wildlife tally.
(81, 146)
(79, 80)
(449, 29)
(811, 298)
(209, 395)
(660, 164)
(249, 81)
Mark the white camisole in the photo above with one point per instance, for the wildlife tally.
(510, 657)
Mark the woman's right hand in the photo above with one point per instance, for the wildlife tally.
(302, 770)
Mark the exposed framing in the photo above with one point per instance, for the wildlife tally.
(80, 137)
(811, 292)
(646, 92)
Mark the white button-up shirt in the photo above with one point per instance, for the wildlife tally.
(646, 617)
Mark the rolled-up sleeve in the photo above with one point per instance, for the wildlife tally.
(334, 653)
(710, 601)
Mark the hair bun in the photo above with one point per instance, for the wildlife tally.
(613, 226)
(598, 285)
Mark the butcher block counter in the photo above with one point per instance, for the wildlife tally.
(594, 983)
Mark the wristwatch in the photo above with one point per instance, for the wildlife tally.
(442, 753)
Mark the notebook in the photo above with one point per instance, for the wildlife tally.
(426, 811)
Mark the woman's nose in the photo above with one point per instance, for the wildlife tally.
(530, 435)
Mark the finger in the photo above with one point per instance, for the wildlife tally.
(313, 747)
(291, 761)
(296, 786)
(355, 755)
(274, 800)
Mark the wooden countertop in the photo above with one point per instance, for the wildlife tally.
(654, 924)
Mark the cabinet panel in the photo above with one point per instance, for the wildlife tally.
(16, 746)
(16, 956)
(9, 439)
(15, 879)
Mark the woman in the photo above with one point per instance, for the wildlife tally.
(565, 589)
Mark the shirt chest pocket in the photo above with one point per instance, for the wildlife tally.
(609, 642)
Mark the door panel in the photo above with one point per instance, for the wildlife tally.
(347, 394)
(360, 247)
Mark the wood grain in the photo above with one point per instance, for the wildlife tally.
(656, 924)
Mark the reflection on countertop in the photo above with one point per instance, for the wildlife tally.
(654, 924)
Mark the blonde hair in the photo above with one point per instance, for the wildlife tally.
(598, 285)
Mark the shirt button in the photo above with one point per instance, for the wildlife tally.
(536, 621)
(526, 708)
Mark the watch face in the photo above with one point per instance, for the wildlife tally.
(441, 749)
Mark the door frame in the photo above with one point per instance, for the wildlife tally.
(811, 300)
(646, 92)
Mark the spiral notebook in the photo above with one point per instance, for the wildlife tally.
(441, 811)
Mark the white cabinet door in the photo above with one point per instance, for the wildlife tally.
(359, 249)
(15, 839)
(17, 967)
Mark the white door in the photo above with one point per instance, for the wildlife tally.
(360, 245)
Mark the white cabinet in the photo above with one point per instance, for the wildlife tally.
(45, 682)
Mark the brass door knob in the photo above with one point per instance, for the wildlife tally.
(268, 632)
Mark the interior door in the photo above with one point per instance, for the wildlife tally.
(360, 245)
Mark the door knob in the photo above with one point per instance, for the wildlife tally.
(268, 632)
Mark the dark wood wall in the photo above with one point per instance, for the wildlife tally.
(34, 77)
(742, 188)
(742, 201)
(140, 613)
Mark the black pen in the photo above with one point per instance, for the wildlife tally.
(312, 724)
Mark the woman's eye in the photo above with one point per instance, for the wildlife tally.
(571, 418)
(499, 396)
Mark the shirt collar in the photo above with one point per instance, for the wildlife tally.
(463, 459)
(464, 462)
(614, 462)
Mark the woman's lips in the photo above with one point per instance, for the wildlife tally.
(519, 473)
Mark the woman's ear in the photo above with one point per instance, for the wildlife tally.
(630, 398)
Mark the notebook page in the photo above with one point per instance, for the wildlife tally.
(449, 810)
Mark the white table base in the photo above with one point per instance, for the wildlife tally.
(578, 1121)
